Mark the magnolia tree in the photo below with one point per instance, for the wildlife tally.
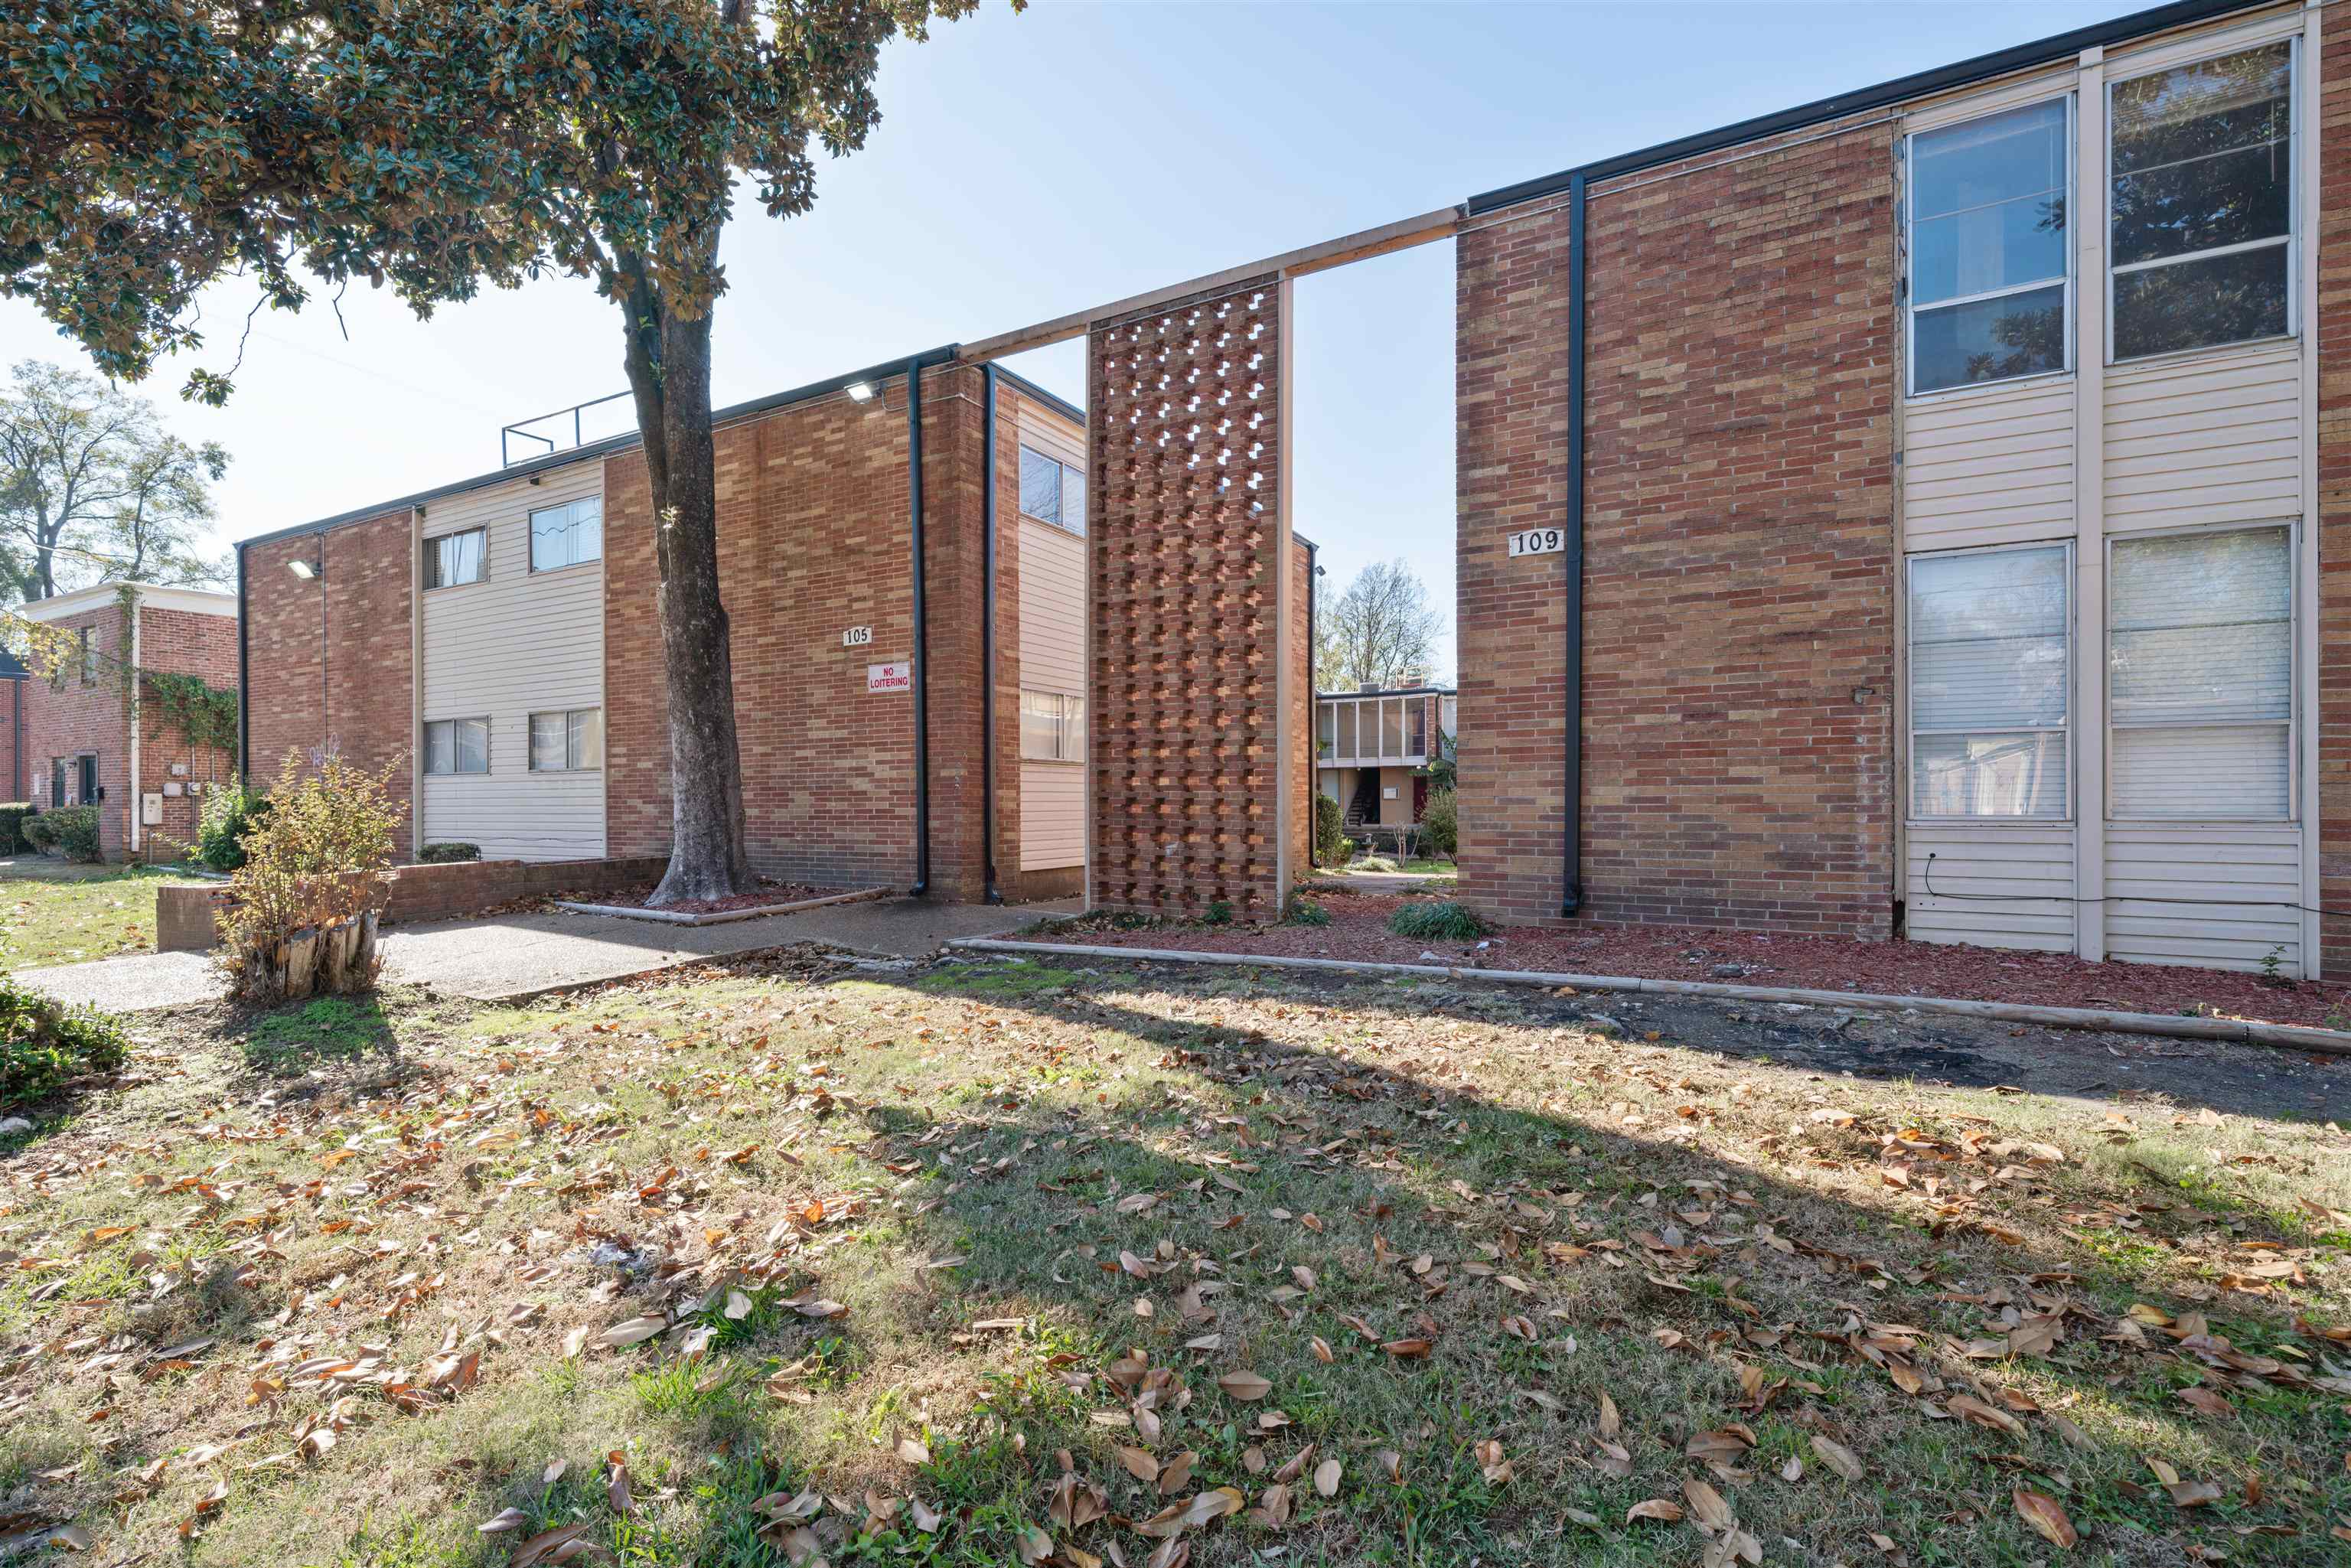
(433, 146)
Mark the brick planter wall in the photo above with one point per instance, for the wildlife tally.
(183, 913)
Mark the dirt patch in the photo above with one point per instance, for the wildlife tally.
(768, 893)
(1358, 930)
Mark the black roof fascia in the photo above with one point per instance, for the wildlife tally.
(1922, 84)
(876, 374)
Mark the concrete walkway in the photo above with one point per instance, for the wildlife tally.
(511, 956)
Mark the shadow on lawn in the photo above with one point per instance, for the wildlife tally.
(1030, 1200)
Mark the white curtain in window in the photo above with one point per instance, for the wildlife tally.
(472, 745)
(2199, 671)
(1989, 684)
(587, 737)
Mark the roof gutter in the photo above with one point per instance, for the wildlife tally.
(1885, 95)
(921, 673)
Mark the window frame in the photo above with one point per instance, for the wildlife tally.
(2295, 610)
(1061, 488)
(2070, 729)
(431, 554)
(2295, 215)
(1062, 755)
(424, 747)
(530, 748)
(2072, 295)
(530, 535)
(86, 654)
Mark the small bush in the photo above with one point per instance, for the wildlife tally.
(13, 816)
(302, 908)
(1219, 913)
(1329, 830)
(70, 830)
(1375, 862)
(445, 854)
(1440, 824)
(1438, 921)
(229, 812)
(1306, 912)
(44, 1044)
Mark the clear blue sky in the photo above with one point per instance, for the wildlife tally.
(1032, 166)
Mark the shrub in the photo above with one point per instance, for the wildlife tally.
(45, 1044)
(1306, 912)
(1437, 920)
(443, 854)
(39, 833)
(70, 830)
(13, 816)
(1220, 913)
(1440, 823)
(1375, 862)
(229, 812)
(1329, 830)
(302, 909)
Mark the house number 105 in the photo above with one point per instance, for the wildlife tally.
(1539, 541)
(857, 636)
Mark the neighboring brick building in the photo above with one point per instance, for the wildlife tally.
(12, 782)
(90, 738)
(1372, 752)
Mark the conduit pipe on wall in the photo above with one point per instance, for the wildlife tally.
(988, 696)
(919, 675)
(244, 683)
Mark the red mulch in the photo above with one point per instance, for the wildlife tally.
(768, 893)
(1358, 930)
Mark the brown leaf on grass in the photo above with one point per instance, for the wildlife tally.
(1610, 1423)
(1244, 1385)
(1706, 1505)
(1326, 1478)
(1034, 1544)
(1665, 1510)
(1177, 1473)
(2045, 1518)
(1140, 1463)
(914, 1451)
(630, 1331)
(1837, 1457)
(1724, 1445)
(1321, 1349)
(618, 1491)
(1390, 1464)
(1490, 1463)
(2204, 1402)
(1984, 1414)
(1273, 1509)
(1409, 1349)
(925, 1517)
(505, 1521)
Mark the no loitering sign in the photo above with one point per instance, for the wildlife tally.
(899, 677)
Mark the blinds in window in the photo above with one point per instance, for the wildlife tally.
(1988, 684)
(2199, 668)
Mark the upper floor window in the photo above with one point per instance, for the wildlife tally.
(1988, 257)
(454, 558)
(567, 535)
(88, 651)
(1052, 491)
(2202, 202)
(457, 746)
(1989, 657)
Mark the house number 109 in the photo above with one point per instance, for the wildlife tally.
(1539, 541)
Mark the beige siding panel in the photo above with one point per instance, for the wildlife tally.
(1994, 466)
(515, 644)
(1052, 815)
(2004, 886)
(2205, 439)
(1052, 609)
(2253, 874)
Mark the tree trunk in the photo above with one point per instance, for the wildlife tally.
(669, 373)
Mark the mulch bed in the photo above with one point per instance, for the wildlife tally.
(768, 893)
(1358, 931)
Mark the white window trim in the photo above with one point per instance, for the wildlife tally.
(1911, 732)
(530, 536)
(489, 739)
(2297, 135)
(2296, 611)
(1909, 251)
(429, 552)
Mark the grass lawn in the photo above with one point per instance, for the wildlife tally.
(1002, 1263)
(62, 914)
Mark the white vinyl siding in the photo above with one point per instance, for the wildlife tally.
(516, 643)
(1052, 661)
(1989, 467)
(2005, 886)
(2211, 438)
(2253, 874)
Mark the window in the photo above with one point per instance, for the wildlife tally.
(1326, 728)
(87, 766)
(1052, 491)
(567, 742)
(455, 559)
(2199, 664)
(88, 653)
(457, 746)
(1989, 684)
(1052, 727)
(568, 535)
(2202, 173)
(1987, 256)
(56, 783)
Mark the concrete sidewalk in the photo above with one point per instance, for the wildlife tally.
(509, 957)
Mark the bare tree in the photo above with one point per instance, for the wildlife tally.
(91, 486)
(1382, 629)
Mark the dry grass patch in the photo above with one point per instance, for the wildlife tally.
(1002, 1263)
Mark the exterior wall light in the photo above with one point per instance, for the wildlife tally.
(304, 570)
(861, 392)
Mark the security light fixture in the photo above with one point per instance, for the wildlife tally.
(861, 392)
(304, 570)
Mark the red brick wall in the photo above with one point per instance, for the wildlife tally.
(180, 642)
(1739, 564)
(814, 540)
(67, 717)
(13, 782)
(349, 679)
(1184, 629)
(2333, 329)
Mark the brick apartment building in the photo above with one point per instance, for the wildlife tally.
(90, 738)
(1373, 749)
(496, 641)
(12, 726)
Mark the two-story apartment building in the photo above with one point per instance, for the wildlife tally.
(1373, 749)
(94, 736)
(1962, 479)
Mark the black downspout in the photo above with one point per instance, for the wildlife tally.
(987, 634)
(244, 700)
(1572, 695)
(920, 681)
(1313, 719)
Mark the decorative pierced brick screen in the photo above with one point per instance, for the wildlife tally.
(1189, 534)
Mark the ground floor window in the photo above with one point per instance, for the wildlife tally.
(457, 746)
(1052, 727)
(1990, 675)
(567, 742)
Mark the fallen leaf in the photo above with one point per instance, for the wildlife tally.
(1837, 1457)
(1243, 1385)
(1665, 1510)
(1326, 1478)
(2042, 1515)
